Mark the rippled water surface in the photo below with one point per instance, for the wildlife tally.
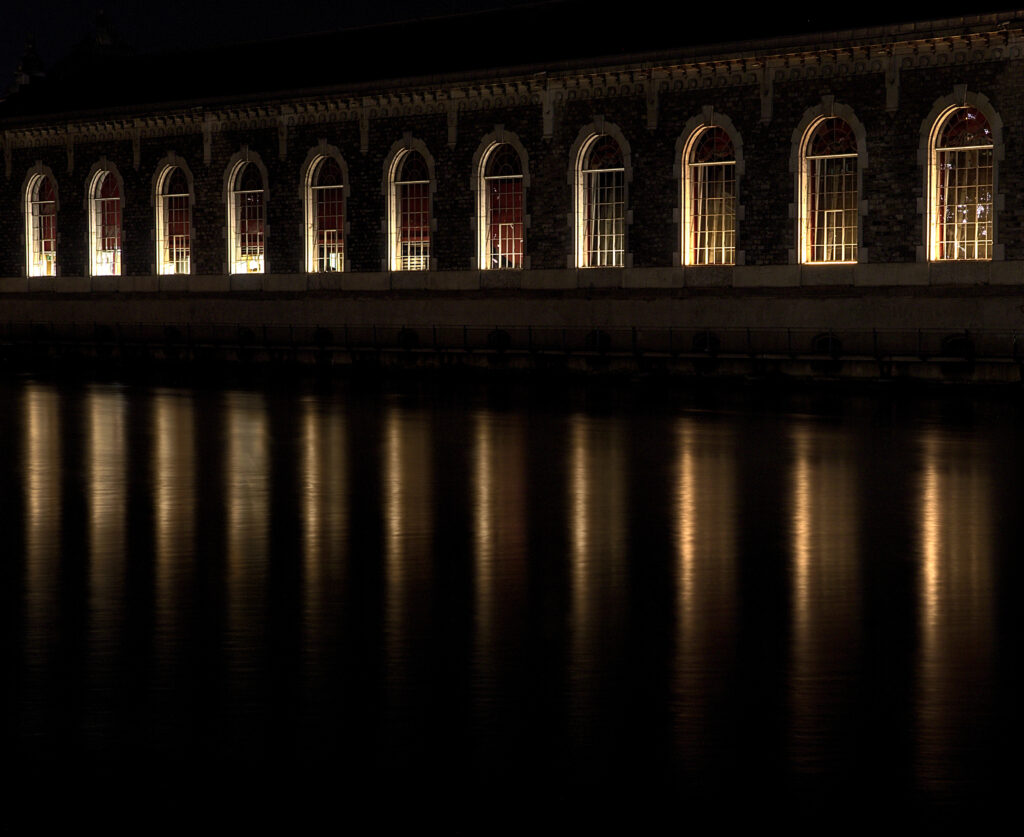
(458, 585)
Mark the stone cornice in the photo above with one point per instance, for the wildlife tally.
(644, 78)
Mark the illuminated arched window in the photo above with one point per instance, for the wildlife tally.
(710, 198)
(325, 217)
(246, 216)
(501, 208)
(105, 224)
(601, 204)
(410, 212)
(829, 200)
(962, 186)
(41, 226)
(173, 222)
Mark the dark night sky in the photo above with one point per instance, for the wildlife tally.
(157, 25)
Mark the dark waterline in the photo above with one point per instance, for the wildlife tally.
(809, 597)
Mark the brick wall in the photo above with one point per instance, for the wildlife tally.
(892, 183)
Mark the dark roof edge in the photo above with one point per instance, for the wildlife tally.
(735, 50)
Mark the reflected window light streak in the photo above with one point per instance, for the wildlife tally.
(173, 466)
(173, 476)
(42, 470)
(106, 495)
(705, 539)
(246, 483)
(408, 513)
(825, 584)
(686, 525)
(499, 534)
(174, 497)
(955, 594)
(483, 530)
(597, 479)
(802, 522)
(323, 478)
(107, 460)
(312, 483)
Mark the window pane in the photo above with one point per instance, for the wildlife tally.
(604, 205)
(830, 192)
(712, 199)
(413, 226)
(963, 187)
(42, 228)
(503, 186)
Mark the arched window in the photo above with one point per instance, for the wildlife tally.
(829, 199)
(105, 224)
(173, 222)
(962, 184)
(325, 217)
(247, 219)
(410, 212)
(41, 226)
(710, 198)
(601, 204)
(501, 208)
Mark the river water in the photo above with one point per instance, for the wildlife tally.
(442, 585)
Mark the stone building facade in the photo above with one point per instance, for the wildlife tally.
(909, 250)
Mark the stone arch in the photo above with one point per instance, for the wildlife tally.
(695, 125)
(961, 97)
(499, 136)
(587, 135)
(803, 132)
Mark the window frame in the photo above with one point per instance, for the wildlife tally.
(810, 198)
(587, 180)
(934, 224)
(33, 236)
(396, 193)
(100, 225)
(162, 219)
(238, 262)
(689, 230)
(484, 224)
(310, 193)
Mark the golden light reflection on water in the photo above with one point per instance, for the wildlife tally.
(106, 494)
(955, 579)
(324, 493)
(597, 530)
(499, 538)
(408, 532)
(246, 484)
(42, 474)
(825, 590)
(705, 540)
(174, 497)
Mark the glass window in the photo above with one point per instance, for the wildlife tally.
(248, 220)
(41, 224)
(411, 207)
(830, 193)
(603, 204)
(962, 188)
(326, 208)
(174, 222)
(106, 225)
(712, 199)
(503, 208)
